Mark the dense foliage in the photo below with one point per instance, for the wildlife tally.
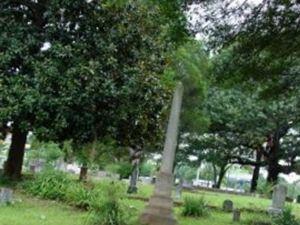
(86, 70)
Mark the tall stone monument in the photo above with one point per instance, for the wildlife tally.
(278, 199)
(159, 210)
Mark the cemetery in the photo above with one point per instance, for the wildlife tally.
(135, 112)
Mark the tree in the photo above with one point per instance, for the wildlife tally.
(101, 53)
(279, 117)
(190, 64)
(245, 32)
(256, 49)
(17, 58)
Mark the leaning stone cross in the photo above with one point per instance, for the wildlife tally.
(159, 210)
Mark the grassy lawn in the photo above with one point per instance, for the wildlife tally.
(217, 199)
(32, 211)
(215, 217)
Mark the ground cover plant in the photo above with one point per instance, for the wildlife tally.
(195, 207)
(36, 211)
(107, 203)
(216, 199)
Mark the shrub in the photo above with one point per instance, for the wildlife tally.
(104, 200)
(78, 195)
(286, 218)
(195, 206)
(265, 189)
(124, 170)
(50, 184)
(106, 205)
(147, 169)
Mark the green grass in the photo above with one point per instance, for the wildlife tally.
(32, 211)
(215, 217)
(217, 199)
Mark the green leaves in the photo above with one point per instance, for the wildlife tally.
(102, 75)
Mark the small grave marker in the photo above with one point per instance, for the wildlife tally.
(236, 215)
(227, 206)
(6, 196)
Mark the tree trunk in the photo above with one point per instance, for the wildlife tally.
(83, 173)
(256, 170)
(273, 172)
(133, 179)
(273, 162)
(14, 162)
(215, 175)
(221, 176)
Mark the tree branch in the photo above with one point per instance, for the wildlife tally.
(243, 161)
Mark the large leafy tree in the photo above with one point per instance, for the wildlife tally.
(257, 121)
(257, 48)
(105, 58)
(240, 124)
(261, 40)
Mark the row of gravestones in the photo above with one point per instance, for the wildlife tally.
(278, 201)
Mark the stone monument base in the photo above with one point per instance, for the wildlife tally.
(274, 211)
(150, 217)
(159, 210)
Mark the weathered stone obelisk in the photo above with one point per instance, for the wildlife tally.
(159, 210)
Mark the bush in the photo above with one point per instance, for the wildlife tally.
(147, 169)
(186, 172)
(195, 207)
(104, 200)
(286, 218)
(50, 184)
(77, 194)
(265, 189)
(106, 205)
(124, 170)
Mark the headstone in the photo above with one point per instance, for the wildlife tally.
(159, 210)
(39, 165)
(153, 181)
(236, 215)
(227, 206)
(61, 165)
(6, 196)
(278, 199)
(298, 199)
(32, 168)
(187, 185)
(179, 188)
(145, 180)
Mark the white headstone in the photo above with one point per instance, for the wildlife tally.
(278, 199)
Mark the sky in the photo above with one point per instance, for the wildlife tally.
(196, 13)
